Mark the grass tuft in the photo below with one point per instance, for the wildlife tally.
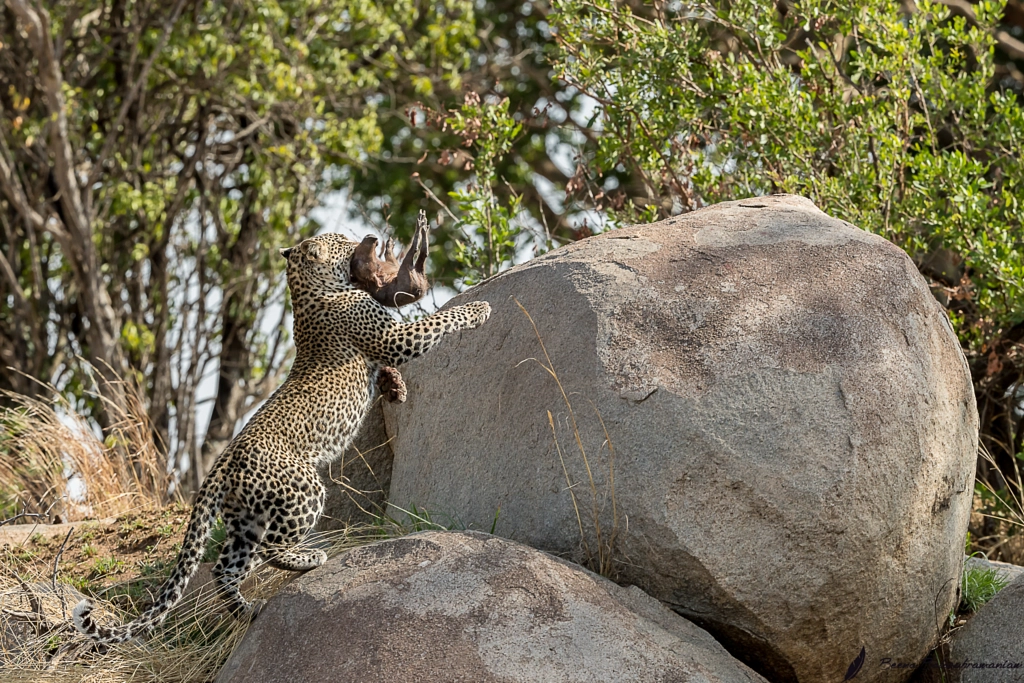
(386, 525)
(978, 585)
(997, 520)
(53, 466)
(599, 549)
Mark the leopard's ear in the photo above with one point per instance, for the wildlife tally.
(314, 251)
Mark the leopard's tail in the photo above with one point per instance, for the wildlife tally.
(204, 513)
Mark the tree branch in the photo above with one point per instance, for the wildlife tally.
(15, 193)
(12, 280)
(75, 235)
(1013, 47)
(133, 94)
(37, 24)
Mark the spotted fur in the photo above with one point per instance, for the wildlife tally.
(265, 485)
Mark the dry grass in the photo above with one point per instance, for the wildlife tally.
(53, 465)
(599, 548)
(39, 585)
(38, 643)
(997, 520)
(190, 647)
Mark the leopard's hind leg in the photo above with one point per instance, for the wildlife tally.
(297, 560)
(244, 534)
(287, 530)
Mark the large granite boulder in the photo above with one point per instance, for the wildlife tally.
(451, 606)
(779, 428)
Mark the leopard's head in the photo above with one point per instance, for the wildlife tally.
(319, 265)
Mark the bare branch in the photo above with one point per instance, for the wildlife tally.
(33, 600)
(53, 579)
(25, 514)
(20, 515)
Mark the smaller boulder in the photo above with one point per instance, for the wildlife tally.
(989, 648)
(466, 606)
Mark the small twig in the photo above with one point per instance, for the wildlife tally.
(53, 578)
(22, 615)
(24, 514)
(434, 197)
(20, 515)
(33, 599)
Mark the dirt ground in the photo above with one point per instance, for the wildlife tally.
(121, 559)
(120, 563)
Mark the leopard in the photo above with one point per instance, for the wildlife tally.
(265, 485)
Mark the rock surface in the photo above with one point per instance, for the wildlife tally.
(358, 483)
(465, 606)
(793, 424)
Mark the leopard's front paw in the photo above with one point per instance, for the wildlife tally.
(478, 312)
